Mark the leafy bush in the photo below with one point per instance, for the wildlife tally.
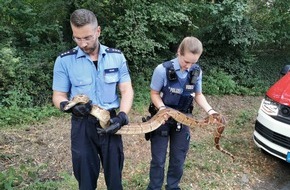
(148, 33)
(26, 76)
(272, 20)
(37, 71)
(141, 86)
(14, 116)
(9, 64)
(217, 82)
(132, 24)
(230, 31)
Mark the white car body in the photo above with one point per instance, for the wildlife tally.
(272, 127)
(270, 134)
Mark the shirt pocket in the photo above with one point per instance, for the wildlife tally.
(111, 78)
(82, 85)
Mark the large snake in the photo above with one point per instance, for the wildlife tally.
(158, 119)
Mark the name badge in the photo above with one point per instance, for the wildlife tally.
(189, 87)
(112, 70)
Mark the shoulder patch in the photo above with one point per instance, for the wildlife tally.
(69, 52)
(113, 50)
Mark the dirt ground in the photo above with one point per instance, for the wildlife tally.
(49, 142)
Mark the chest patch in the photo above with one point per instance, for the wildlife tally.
(189, 87)
(112, 70)
(175, 90)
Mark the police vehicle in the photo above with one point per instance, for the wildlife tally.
(272, 126)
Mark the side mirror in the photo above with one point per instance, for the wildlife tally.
(285, 69)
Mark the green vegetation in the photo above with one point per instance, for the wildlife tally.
(28, 178)
(246, 43)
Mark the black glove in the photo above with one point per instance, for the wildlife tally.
(116, 124)
(62, 106)
(81, 110)
(78, 110)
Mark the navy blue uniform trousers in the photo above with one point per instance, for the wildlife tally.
(178, 148)
(89, 150)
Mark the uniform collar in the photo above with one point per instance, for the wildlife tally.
(176, 64)
(102, 51)
(80, 52)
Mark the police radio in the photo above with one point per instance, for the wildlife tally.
(194, 74)
(171, 73)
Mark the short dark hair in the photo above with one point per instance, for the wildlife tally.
(82, 17)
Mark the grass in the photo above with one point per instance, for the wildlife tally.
(205, 168)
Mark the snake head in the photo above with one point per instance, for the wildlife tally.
(78, 99)
(69, 105)
(219, 118)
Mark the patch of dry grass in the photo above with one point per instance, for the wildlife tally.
(205, 167)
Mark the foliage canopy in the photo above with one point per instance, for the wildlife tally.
(235, 35)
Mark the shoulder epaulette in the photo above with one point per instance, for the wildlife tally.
(69, 52)
(113, 50)
(168, 64)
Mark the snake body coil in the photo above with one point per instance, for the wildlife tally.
(157, 120)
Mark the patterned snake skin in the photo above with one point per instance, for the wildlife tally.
(157, 120)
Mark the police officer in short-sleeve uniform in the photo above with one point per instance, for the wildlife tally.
(176, 84)
(97, 71)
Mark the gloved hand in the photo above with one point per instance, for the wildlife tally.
(78, 110)
(62, 106)
(116, 124)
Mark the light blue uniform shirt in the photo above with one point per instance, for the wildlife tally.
(159, 78)
(75, 73)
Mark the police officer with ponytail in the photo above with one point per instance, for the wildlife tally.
(101, 73)
(176, 84)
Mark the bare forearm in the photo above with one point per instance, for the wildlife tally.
(202, 102)
(58, 97)
(156, 99)
(126, 102)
